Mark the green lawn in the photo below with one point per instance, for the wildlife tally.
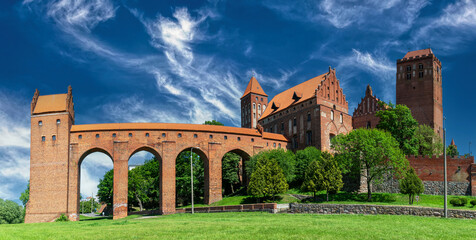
(349, 198)
(249, 226)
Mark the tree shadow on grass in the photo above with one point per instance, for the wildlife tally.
(253, 199)
(352, 197)
(96, 218)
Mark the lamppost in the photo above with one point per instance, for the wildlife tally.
(445, 175)
(191, 174)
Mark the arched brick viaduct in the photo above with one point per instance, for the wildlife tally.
(58, 148)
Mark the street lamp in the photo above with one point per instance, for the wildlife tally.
(191, 174)
(445, 174)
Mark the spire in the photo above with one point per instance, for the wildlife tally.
(368, 91)
(254, 87)
(453, 142)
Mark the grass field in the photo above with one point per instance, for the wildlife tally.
(349, 198)
(249, 226)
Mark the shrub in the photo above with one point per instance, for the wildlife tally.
(459, 202)
(268, 179)
(473, 202)
(10, 212)
(411, 185)
(62, 218)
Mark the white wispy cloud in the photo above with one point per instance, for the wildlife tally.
(346, 13)
(454, 28)
(93, 167)
(14, 145)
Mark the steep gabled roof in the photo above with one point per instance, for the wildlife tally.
(254, 87)
(51, 104)
(418, 53)
(296, 94)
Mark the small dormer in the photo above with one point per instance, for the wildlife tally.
(275, 106)
(297, 96)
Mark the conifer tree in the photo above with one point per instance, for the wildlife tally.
(268, 179)
(411, 184)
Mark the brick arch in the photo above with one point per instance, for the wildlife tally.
(149, 149)
(245, 156)
(93, 150)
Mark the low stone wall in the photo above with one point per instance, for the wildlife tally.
(431, 187)
(261, 207)
(377, 209)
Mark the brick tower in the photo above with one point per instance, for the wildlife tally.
(51, 120)
(419, 86)
(253, 103)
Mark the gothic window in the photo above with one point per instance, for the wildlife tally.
(308, 117)
(254, 106)
(409, 76)
(332, 115)
(282, 127)
(259, 108)
(420, 74)
(254, 115)
(409, 68)
(43, 138)
(40, 123)
(295, 142)
(294, 122)
(341, 120)
(420, 66)
(53, 137)
(309, 138)
(331, 136)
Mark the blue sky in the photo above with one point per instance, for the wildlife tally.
(190, 61)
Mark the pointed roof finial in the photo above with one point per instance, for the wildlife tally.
(254, 87)
(368, 91)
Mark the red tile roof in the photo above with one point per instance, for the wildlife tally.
(51, 104)
(254, 87)
(303, 92)
(174, 127)
(418, 53)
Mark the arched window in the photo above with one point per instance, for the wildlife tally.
(264, 107)
(341, 120)
(254, 106)
(332, 115)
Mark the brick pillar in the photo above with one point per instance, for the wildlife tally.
(73, 188)
(121, 171)
(473, 179)
(213, 180)
(167, 178)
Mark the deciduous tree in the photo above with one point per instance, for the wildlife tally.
(285, 159)
(398, 120)
(10, 212)
(452, 151)
(428, 142)
(303, 160)
(374, 152)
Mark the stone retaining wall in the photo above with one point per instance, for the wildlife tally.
(431, 187)
(377, 209)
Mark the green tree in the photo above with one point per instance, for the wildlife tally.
(144, 185)
(230, 172)
(452, 151)
(182, 179)
(374, 152)
(323, 174)
(10, 212)
(285, 159)
(399, 122)
(106, 188)
(312, 178)
(25, 195)
(428, 142)
(268, 179)
(331, 176)
(213, 122)
(303, 159)
(411, 184)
